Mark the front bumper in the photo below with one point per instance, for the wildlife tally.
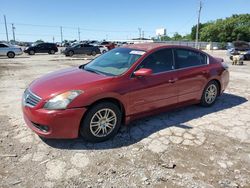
(60, 123)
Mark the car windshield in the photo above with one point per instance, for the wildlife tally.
(114, 62)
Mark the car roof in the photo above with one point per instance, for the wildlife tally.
(146, 46)
(153, 45)
(5, 43)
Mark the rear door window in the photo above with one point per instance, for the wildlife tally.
(159, 61)
(185, 58)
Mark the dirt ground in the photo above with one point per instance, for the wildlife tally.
(187, 147)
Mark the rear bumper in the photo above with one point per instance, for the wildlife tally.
(19, 53)
(60, 123)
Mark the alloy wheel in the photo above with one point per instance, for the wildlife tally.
(103, 122)
(211, 94)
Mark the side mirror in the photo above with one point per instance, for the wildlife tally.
(143, 72)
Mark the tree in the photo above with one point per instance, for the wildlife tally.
(39, 41)
(165, 38)
(177, 36)
(236, 27)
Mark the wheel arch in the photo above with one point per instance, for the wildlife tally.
(11, 52)
(218, 82)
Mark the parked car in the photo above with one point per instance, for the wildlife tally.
(109, 45)
(10, 50)
(82, 49)
(119, 86)
(49, 48)
(103, 49)
(239, 48)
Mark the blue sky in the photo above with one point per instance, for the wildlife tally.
(108, 19)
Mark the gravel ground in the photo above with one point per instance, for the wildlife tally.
(187, 147)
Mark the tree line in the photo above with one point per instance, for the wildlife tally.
(234, 28)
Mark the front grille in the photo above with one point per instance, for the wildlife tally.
(30, 99)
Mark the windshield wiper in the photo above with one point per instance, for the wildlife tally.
(92, 70)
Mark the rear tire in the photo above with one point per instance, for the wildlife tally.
(11, 54)
(210, 94)
(93, 53)
(31, 52)
(101, 122)
(52, 52)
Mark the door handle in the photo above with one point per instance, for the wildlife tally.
(204, 72)
(172, 80)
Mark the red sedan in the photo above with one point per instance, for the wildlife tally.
(119, 86)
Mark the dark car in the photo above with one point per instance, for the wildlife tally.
(49, 48)
(82, 49)
(240, 48)
(119, 86)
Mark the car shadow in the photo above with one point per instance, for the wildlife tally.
(145, 127)
(16, 57)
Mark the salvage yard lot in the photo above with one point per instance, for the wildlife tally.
(187, 147)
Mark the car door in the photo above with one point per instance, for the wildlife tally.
(87, 49)
(44, 48)
(155, 91)
(193, 73)
(39, 48)
(78, 49)
(3, 49)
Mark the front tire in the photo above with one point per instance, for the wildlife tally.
(247, 57)
(101, 122)
(11, 54)
(70, 53)
(210, 94)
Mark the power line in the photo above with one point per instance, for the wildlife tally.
(61, 34)
(79, 34)
(197, 27)
(6, 29)
(69, 27)
(13, 32)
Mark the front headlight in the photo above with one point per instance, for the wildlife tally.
(61, 101)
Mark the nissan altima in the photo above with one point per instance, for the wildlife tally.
(95, 99)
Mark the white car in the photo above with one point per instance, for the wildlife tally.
(10, 50)
(103, 49)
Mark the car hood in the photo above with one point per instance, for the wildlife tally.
(64, 80)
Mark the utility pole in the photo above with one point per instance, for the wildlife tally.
(139, 33)
(197, 27)
(142, 34)
(79, 34)
(6, 29)
(53, 39)
(13, 32)
(61, 34)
